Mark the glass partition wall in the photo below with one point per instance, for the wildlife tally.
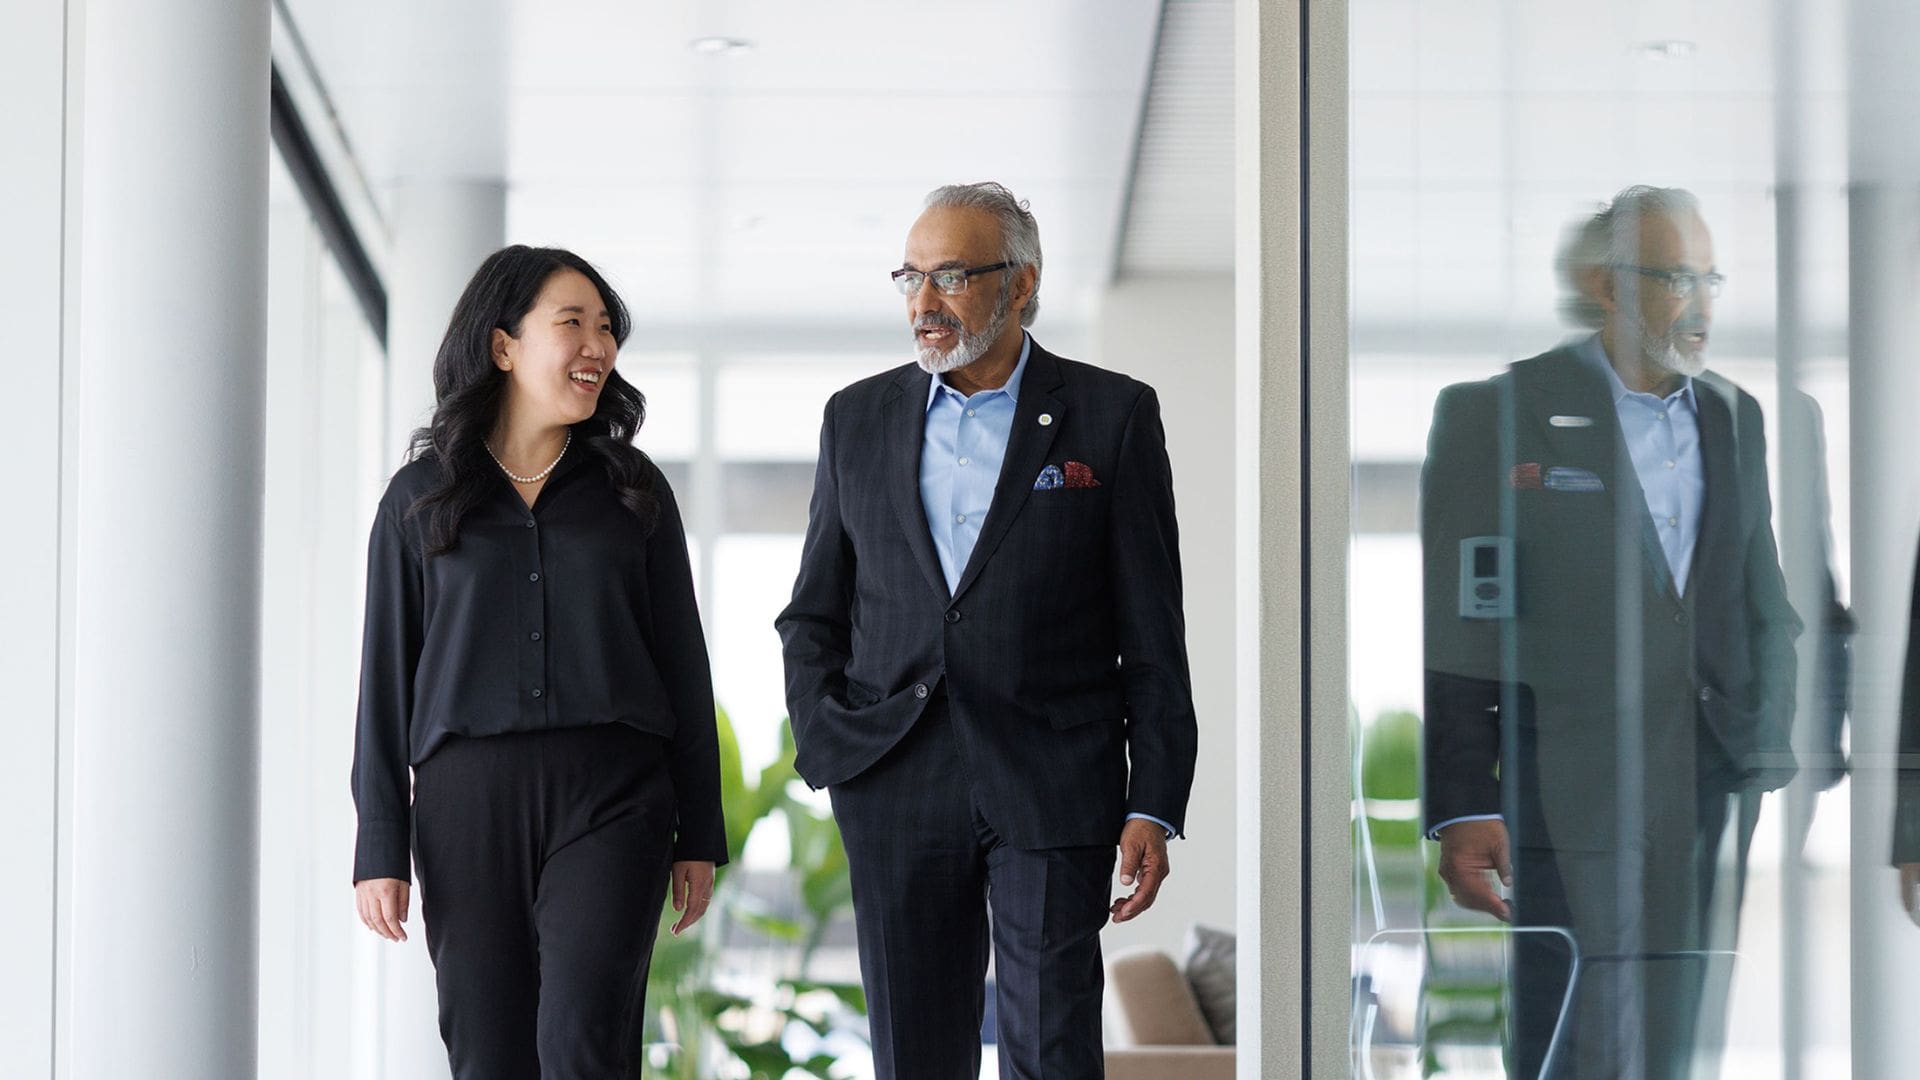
(1633, 531)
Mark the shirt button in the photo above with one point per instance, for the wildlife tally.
(965, 461)
(1673, 521)
(960, 519)
(969, 412)
(953, 616)
(920, 690)
(529, 523)
(1706, 693)
(533, 576)
(1670, 465)
(535, 635)
(537, 692)
(1661, 416)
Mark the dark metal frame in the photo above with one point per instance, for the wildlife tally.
(316, 186)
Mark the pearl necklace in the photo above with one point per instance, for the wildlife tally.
(536, 477)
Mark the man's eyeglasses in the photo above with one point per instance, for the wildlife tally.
(951, 282)
(1682, 284)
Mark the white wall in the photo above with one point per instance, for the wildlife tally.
(33, 79)
(1176, 333)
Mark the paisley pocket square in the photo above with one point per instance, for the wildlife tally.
(1072, 474)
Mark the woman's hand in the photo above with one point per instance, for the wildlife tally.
(692, 892)
(382, 903)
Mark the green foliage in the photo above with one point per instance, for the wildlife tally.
(696, 1031)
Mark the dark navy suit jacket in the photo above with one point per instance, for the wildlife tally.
(1062, 652)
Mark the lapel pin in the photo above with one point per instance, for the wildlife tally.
(1046, 418)
(1570, 421)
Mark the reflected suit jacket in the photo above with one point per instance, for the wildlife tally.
(1061, 653)
(1608, 702)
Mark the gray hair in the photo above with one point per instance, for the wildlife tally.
(1019, 233)
(1611, 238)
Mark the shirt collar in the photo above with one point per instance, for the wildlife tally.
(1591, 352)
(1012, 389)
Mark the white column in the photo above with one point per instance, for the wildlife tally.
(1295, 856)
(1884, 218)
(33, 79)
(169, 476)
(442, 230)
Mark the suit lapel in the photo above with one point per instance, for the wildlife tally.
(906, 411)
(1569, 386)
(1027, 448)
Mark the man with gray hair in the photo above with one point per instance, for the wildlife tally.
(986, 659)
(1609, 654)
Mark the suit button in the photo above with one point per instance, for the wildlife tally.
(533, 577)
(537, 692)
(920, 690)
(953, 616)
(1680, 617)
(1706, 693)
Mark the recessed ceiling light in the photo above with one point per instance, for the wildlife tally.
(720, 46)
(1671, 49)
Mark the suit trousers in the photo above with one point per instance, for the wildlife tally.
(543, 860)
(1654, 922)
(933, 887)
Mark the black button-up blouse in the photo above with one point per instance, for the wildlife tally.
(565, 615)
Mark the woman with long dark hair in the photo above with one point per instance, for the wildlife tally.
(533, 654)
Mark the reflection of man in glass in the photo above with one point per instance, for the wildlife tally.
(1609, 650)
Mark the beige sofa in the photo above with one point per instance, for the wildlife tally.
(1154, 1025)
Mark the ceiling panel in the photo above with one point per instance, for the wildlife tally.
(698, 178)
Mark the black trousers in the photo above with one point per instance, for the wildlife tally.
(543, 862)
(927, 870)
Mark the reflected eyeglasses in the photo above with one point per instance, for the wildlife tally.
(1682, 284)
(951, 282)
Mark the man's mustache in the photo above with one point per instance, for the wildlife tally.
(934, 318)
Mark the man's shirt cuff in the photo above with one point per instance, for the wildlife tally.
(1434, 833)
(1171, 831)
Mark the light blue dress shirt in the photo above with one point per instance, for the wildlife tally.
(960, 459)
(1663, 439)
(966, 442)
(1662, 435)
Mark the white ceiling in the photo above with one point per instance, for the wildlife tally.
(773, 189)
(772, 186)
(1481, 128)
(1180, 212)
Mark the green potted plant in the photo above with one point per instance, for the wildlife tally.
(705, 1021)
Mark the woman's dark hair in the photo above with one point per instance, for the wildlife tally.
(468, 390)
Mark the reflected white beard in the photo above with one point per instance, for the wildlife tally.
(1666, 356)
(1661, 354)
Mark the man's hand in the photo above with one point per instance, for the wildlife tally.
(692, 892)
(1909, 884)
(1143, 864)
(1468, 849)
(382, 903)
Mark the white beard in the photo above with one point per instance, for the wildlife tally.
(1661, 354)
(1670, 358)
(968, 348)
